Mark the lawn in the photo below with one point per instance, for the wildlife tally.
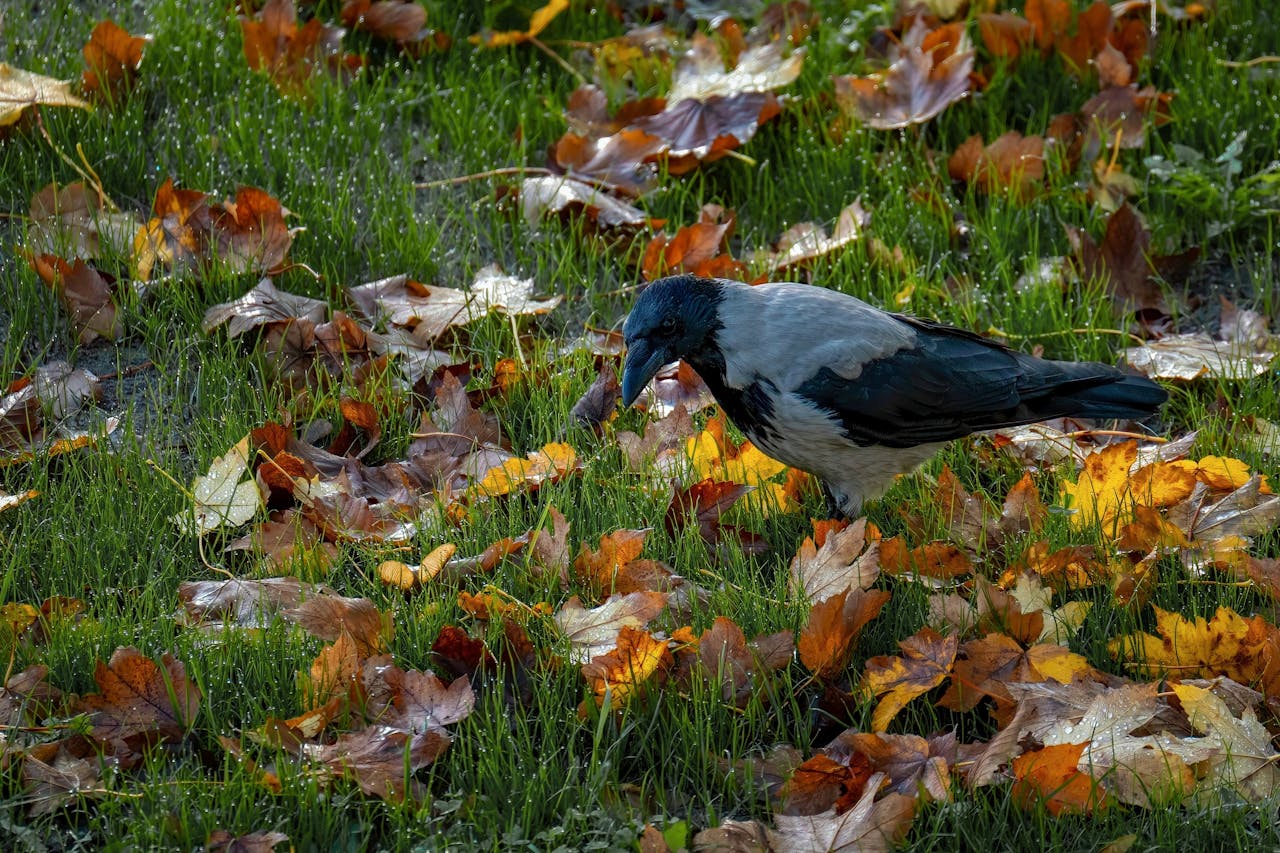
(356, 687)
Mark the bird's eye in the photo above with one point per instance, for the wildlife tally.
(670, 324)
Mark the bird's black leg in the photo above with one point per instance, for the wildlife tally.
(833, 508)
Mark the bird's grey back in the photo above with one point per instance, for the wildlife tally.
(766, 325)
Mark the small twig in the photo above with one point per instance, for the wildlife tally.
(1257, 60)
(128, 371)
(89, 176)
(480, 176)
(558, 59)
(738, 155)
(1083, 433)
(1117, 332)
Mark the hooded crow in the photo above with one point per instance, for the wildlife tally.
(854, 395)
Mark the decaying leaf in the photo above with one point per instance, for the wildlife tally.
(22, 89)
(221, 497)
(928, 71)
(140, 696)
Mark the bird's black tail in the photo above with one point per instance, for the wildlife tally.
(1092, 390)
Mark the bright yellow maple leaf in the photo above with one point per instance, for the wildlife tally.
(1227, 644)
(1222, 472)
(552, 460)
(1101, 492)
(620, 674)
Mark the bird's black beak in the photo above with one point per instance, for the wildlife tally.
(643, 361)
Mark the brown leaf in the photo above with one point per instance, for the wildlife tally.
(222, 841)
(1012, 162)
(802, 244)
(113, 57)
(927, 73)
(240, 602)
(594, 632)
(1049, 777)
(261, 305)
(73, 221)
(26, 698)
(334, 672)
(706, 501)
(59, 774)
(599, 403)
(828, 638)
(910, 761)
(138, 696)
(1121, 260)
(874, 826)
(400, 21)
(329, 616)
(822, 782)
(926, 661)
(847, 558)
(1006, 35)
(291, 55)
(250, 232)
(86, 293)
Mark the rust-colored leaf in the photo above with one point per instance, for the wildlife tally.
(926, 660)
(140, 696)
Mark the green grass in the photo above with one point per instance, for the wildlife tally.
(344, 161)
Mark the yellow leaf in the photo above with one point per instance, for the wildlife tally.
(221, 496)
(638, 658)
(752, 467)
(1163, 483)
(704, 454)
(538, 22)
(21, 89)
(1101, 493)
(1222, 472)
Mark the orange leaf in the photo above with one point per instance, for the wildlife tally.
(638, 659)
(138, 696)
(828, 638)
(926, 660)
(1049, 776)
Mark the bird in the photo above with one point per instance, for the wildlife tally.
(855, 395)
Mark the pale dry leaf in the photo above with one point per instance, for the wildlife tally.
(494, 290)
(20, 89)
(593, 632)
(540, 196)
(871, 826)
(1196, 355)
(844, 561)
(701, 74)
(222, 497)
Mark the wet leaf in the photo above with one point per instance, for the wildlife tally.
(140, 696)
(926, 660)
(928, 71)
(22, 89)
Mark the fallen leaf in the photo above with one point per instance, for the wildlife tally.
(638, 660)
(926, 74)
(221, 498)
(292, 54)
(926, 661)
(829, 636)
(538, 22)
(1049, 777)
(22, 89)
(593, 632)
(113, 57)
(847, 558)
(138, 696)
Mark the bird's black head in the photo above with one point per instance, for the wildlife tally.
(674, 318)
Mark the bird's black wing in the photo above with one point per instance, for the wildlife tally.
(954, 382)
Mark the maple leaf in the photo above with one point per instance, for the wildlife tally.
(823, 782)
(330, 616)
(334, 672)
(828, 638)
(87, 294)
(1077, 38)
(291, 55)
(661, 448)
(1247, 760)
(250, 232)
(986, 666)
(22, 89)
(639, 659)
(593, 632)
(263, 304)
(538, 21)
(113, 57)
(1226, 644)
(927, 73)
(872, 825)
(1012, 162)
(221, 497)
(1049, 777)
(58, 773)
(1250, 510)
(1005, 35)
(806, 242)
(241, 602)
(27, 697)
(400, 21)
(550, 462)
(75, 221)
(1125, 261)
(412, 701)
(139, 696)
(912, 763)
(700, 249)
(705, 502)
(570, 197)
(926, 661)
(933, 560)
(847, 559)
